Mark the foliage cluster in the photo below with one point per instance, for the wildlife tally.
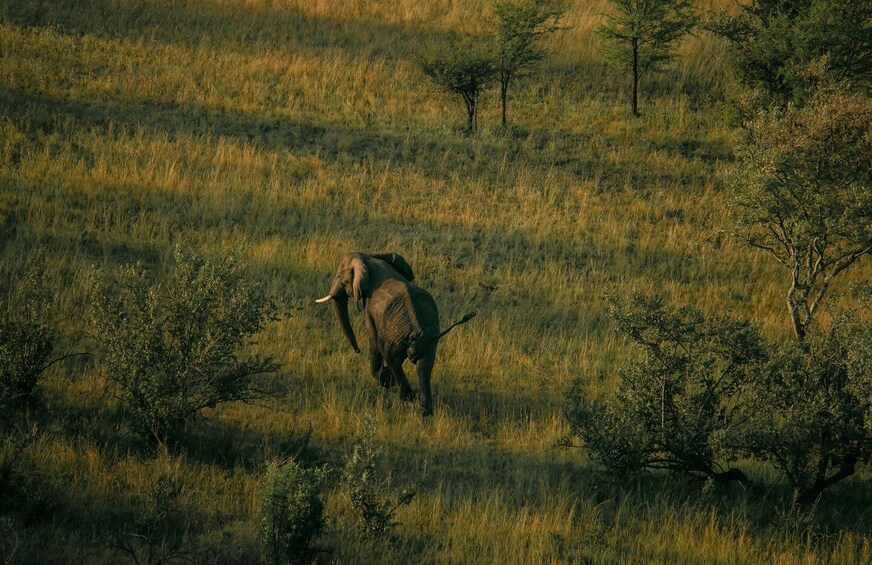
(292, 515)
(813, 405)
(703, 392)
(679, 400)
(773, 43)
(368, 493)
(172, 347)
(509, 53)
(801, 191)
(28, 336)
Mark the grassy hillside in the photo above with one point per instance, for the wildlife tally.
(303, 131)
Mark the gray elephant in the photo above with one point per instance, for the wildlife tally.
(401, 319)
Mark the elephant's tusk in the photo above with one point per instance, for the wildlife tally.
(325, 299)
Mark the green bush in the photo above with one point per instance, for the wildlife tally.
(292, 515)
(173, 347)
(774, 41)
(680, 400)
(367, 493)
(27, 336)
(703, 391)
(814, 407)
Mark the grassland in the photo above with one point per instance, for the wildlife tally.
(303, 131)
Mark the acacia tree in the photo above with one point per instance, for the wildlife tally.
(463, 68)
(802, 192)
(520, 25)
(640, 35)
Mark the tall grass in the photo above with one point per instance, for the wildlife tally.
(305, 131)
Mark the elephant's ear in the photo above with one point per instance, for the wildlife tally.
(399, 263)
(359, 280)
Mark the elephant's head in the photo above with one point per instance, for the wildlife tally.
(353, 278)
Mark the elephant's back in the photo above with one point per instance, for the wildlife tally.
(425, 308)
(404, 311)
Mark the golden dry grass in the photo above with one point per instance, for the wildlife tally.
(303, 130)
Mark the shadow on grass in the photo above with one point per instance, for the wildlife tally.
(344, 145)
(229, 25)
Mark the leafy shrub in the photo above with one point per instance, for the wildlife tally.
(27, 337)
(293, 513)
(680, 399)
(520, 26)
(814, 407)
(366, 492)
(172, 348)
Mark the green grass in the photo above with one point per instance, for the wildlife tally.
(304, 131)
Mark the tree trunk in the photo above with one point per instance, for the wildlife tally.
(813, 492)
(798, 327)
(470, 112)
(504, 90)
(635, 76)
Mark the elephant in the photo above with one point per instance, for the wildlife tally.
(401, 319)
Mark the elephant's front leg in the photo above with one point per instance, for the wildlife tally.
(379, 370)
(377, 366)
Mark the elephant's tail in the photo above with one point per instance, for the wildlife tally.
(463, 320)
(419, 345)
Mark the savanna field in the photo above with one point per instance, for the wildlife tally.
(301, 131)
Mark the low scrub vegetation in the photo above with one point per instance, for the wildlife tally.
(292, 516)
(367, 488)
(681, 400)
(28, 336)
(172, 348)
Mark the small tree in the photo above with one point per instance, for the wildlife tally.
(680, 400)
(367, 493)
(802, 192)
(172, 348)
(520, 25)
(463, 68)
(640, 35)
(292, 515)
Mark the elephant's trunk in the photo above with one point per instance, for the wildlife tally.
(340, 308)
(339, 302)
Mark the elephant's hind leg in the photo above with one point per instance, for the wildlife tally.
(424, 368)
(406, 392)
